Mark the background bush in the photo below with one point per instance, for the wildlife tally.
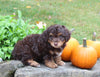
(12, 30)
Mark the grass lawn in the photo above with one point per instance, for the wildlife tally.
(83, 15)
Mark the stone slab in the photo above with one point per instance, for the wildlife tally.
(8, 68)
(62, 71)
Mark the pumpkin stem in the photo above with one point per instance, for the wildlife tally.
(84, 42)
(72, 30)
(94, 36)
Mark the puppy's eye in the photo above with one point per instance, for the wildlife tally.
(60, 36)
(50, 36)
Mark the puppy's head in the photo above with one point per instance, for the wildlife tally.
(57, 35)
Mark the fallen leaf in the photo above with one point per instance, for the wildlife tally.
(38, 4)
(50, 3)
(69, 0)
(33, 27)
(15, 8)
(60, 4)
(37, 22)
(28, 6)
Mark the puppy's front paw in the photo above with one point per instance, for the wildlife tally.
(61, 63)
(51, 65)
(33, 63)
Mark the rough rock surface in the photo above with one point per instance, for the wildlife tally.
(8, 68)
(62, 71)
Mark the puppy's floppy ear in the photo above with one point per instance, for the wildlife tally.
(45, 36)
(67, 33)
(43, 40)
(63, 26)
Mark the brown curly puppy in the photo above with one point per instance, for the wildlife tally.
(46, 47)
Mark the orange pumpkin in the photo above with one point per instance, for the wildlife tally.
(70, 45)
(84, 56)
(95, 44)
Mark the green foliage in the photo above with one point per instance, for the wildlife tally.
(83, 15)
(12, 30)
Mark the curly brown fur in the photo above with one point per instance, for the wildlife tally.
(42, 47)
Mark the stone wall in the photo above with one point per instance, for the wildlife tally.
(7, 69)
(16, 69)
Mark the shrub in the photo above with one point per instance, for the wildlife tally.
(12, 30)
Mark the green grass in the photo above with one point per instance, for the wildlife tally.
(83, 15)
